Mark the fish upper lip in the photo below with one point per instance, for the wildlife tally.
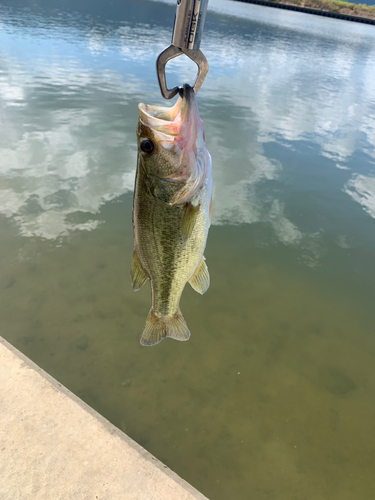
(181, 120)
(186, 93)
(159, 115)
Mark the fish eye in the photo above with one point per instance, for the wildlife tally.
(147, 146)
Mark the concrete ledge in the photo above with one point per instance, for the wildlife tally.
(54, 446)
(308, 10)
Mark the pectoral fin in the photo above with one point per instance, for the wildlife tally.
(189, 217)
(200, 280)
(137, 274)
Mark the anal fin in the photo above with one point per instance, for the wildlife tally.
(200, 280)
(137, 274)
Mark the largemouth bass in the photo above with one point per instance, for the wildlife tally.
(171, 212)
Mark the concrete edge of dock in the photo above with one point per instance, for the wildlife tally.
(309, 10)
(54, 446)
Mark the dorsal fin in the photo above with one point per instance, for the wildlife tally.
(137, 274)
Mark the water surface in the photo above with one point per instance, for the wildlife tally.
(273, 396)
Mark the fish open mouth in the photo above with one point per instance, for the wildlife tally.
(179, 135)
(176, 121)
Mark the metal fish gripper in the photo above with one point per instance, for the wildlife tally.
(186, 39)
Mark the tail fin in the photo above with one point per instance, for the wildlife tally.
(156, 329)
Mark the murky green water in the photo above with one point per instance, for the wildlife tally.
(274, 395)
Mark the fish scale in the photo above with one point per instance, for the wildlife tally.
(170, 236)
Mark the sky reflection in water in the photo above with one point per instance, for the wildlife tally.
(272, 398)
(69, 105)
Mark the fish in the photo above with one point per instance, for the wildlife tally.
(171, 212)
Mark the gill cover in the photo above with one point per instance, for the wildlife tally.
(178, 162)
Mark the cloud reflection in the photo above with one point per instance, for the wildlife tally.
(67, 162)
(71, 147)
(362, 189)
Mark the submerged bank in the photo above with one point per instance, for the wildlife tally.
(328, 8)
